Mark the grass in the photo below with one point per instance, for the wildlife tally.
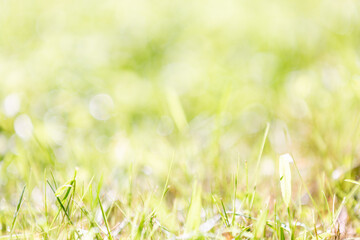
(179, 119)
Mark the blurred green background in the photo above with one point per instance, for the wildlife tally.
(122, 87)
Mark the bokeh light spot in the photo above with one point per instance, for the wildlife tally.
(101, 106)
(23, 127)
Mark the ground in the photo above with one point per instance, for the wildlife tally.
(134, 119)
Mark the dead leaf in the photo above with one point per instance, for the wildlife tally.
(228, 235)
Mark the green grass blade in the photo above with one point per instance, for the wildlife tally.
(63, 208)
(105, 220)
(285, 177)
(261, 224)
(17, 212)
(193, 217)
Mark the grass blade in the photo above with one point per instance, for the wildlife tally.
(285, 177)
(63, 208)
(261, 224)
(193, 218)
(17, 211)
(105, 220)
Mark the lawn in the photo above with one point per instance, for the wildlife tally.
(149, 119)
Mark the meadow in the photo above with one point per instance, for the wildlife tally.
(150, 119)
